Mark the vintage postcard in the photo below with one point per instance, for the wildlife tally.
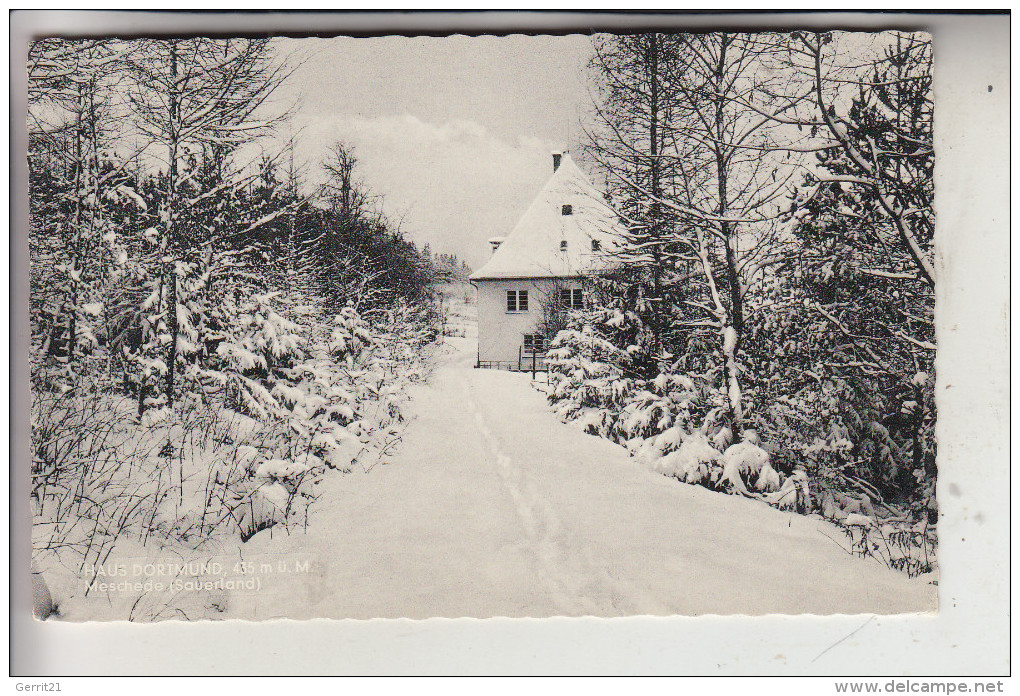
(483, 326)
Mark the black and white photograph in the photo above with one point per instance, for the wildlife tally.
(622, 323)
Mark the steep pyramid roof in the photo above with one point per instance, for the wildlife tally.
(535, 247)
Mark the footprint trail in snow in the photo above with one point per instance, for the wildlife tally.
(492, 507)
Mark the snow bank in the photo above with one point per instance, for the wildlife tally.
(695, 462)
(470, 519)
(282, 409)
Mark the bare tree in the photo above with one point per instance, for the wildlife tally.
(726, 181)
(341, 189)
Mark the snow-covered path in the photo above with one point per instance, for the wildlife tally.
(492, 507)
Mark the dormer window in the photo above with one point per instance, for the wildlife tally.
(567, 209)
(563, 245)
(595, 245)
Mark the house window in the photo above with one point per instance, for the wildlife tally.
(563, 245)
(572, 298)
(517, 300)
(596, 245)
(534, 343)
(567, 209)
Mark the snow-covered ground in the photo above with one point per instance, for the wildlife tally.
(492, 507)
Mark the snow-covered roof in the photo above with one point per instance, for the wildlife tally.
(535, 247)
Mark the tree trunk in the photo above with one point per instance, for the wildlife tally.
(733, 329)
(169, 243)
(79, 221)
(655, 208)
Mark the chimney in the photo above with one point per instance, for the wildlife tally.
(556, 160)
(495, 242)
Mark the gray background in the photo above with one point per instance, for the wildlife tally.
(970, 635)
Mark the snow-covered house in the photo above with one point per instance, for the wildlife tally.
(568, 231)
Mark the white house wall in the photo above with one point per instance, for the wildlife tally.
(501, 333)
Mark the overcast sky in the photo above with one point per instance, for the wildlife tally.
(455, 132)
